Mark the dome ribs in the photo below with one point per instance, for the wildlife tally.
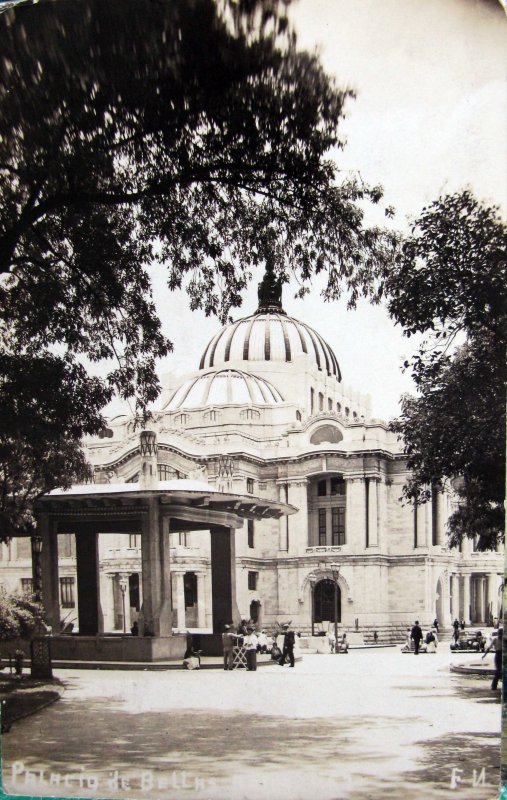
(267, 339)
(314, 342)
(288, 354)
(228, 344)
(246, 341)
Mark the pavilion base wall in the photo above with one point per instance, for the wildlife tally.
(117, 648)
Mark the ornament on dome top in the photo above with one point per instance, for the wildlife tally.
(270, 292)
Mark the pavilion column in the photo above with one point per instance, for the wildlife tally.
(49, 563)
(223, 577)
(201, 599)
(88, 581)
(157, 605)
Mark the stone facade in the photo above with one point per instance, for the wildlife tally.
(276, 422)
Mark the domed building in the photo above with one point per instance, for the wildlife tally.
(267, 414)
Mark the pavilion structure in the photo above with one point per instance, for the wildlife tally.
(154, 509)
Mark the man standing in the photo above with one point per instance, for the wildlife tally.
(455, 625)
(288, 645)
(228, 640)
(416, 635)
(250, 645)
(497, 644)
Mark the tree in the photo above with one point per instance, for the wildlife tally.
(18, 615)
(451, 281)
(191, 134)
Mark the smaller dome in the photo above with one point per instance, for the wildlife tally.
(224, 387)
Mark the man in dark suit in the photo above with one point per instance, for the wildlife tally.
(288, 645)
(416, 635)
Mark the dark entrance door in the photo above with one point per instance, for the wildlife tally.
(324, 601)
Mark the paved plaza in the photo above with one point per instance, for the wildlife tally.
(370, 724)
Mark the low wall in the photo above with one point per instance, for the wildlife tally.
(117, 648)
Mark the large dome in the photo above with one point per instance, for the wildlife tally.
(221, 388)
(269, 335)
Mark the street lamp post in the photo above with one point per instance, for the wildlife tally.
(123, 588)
(335, 570)
(36, 542)
(312, 578)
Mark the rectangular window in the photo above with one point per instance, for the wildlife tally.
(249, 485)
(27, 585)
(67, 592)
(134, 540)
(338, 526)
(322, 488)
(337, 486)
(312, 400)
(322, 526)
(182, 538)
(252, 580)
(321, 401)
(250, 533)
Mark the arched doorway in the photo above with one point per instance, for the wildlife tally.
(323, 608)
(255, 612)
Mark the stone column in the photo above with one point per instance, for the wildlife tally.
(107, 600)
(453, 585)
(422, 533)
(223, 577)
(201, 599)
(372, 512)
(50, 578)
(466, 599)
(298, 523)
(283, 522)
(179, 578)
(157, 606)
(355, 514)
(88, 581)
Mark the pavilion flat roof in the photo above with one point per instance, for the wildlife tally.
(191, 493)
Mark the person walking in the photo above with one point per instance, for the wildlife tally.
(250, 645)
(289, 641)
(228, 642)
(455, 625)
(416, 635)
(496, 643)
(435, 624)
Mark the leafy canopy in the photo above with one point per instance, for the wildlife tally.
(451, 282)
(191, 134)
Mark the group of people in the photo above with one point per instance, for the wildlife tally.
(428, 641)
(342, 646)
(253, 643)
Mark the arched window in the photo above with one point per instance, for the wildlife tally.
(321, 401)
(326, 433)
(324, 601)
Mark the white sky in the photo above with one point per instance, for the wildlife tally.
(430, 117)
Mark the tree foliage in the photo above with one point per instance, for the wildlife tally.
(18, 615)
(451, 282)
(190, 134)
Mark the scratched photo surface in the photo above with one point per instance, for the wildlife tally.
(183, 162)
